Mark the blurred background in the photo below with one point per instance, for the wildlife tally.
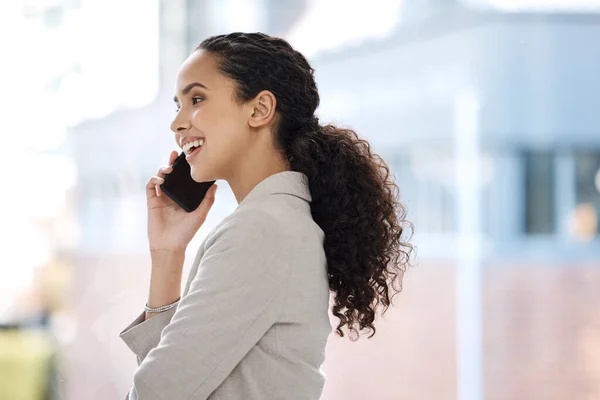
(486, 110)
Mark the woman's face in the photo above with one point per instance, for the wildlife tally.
(209, 111)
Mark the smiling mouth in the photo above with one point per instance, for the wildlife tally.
(192, 154)
(190, 147)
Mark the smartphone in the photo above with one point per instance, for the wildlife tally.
(181, 188)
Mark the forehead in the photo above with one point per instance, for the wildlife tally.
(201, 67)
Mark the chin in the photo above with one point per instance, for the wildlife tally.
(201, 176)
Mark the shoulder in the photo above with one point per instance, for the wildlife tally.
(255, 225)
(279, 222)
(243, 245)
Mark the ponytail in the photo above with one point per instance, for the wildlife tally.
(355, 202)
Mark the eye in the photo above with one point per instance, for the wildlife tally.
(195, 100)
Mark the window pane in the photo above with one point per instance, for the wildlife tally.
(539, 192)
(587, 168)
(587, 193)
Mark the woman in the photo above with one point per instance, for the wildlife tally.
(317, 212)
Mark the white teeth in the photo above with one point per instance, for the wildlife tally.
(188, 146)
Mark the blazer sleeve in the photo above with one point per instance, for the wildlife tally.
(143, 335)
(236, 295)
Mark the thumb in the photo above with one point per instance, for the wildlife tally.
(206, 203)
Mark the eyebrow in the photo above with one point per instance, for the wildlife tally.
(189, 87)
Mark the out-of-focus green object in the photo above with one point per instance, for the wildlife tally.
(25, 356)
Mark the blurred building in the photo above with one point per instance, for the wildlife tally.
(532, 78)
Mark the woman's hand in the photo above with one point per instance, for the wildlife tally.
(170, 227)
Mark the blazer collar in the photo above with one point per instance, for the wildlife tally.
(286, 182)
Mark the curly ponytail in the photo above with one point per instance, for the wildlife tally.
(355, 200)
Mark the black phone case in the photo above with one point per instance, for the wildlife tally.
(186, 193)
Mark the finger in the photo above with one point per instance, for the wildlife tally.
(152, 185)
(173, 156)
(162, 171)
(207, 202)
(210, 193)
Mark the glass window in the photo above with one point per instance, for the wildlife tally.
(587, 179)
(539, 192)
(587, 193)
(425, 181)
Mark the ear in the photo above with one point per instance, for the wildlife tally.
(263, 109)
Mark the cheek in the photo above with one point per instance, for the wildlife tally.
(213, 120)
(224, 127)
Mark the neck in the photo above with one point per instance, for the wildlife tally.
(254, 171)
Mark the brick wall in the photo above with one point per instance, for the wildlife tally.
(541, 338)
(541, 335)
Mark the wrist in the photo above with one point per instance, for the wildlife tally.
(167, 250)
(165, 278)
(163, 308)
(167, 257)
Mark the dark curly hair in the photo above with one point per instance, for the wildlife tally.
(355, 200)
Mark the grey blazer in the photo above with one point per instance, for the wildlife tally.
(253, 319)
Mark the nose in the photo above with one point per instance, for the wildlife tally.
(180, 123)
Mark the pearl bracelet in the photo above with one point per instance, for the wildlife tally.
(161, 308)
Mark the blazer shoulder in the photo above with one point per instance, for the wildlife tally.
(255, 221)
